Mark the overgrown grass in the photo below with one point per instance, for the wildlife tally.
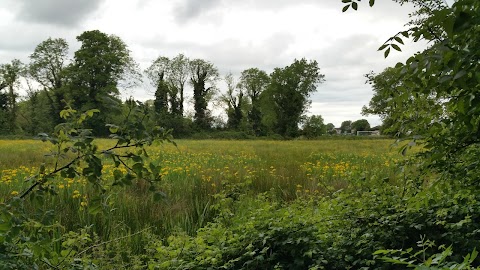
(194, 173)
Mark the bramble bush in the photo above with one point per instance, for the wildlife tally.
(344, 231)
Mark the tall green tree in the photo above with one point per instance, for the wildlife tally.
(289, 90)
(99, 66)
(35, 113)
(170, 75)
(179, 71)
(203, 76)
(361, 125)
(234, 101)
(253, 82)
(346, 126)
(10, 75)
(157, 73)
(314, 126)
(330, 128)
(47, 67)
(400, 105)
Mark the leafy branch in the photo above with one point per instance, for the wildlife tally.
(354, 4)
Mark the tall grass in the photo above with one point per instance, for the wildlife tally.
(193, 173)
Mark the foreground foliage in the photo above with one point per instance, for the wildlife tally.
(339, 232)
(433, 98)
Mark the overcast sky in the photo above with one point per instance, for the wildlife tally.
(232, 34)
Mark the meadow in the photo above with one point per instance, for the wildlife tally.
(195, 171)
(256, 204)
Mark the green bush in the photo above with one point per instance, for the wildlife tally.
(342, 232)
(266, 236)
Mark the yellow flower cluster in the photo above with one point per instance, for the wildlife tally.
(76, 194)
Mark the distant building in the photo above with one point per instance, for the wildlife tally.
(369, 133)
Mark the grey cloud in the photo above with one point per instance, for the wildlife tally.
(231, 55)
(20, 40)
(350, 51)
(189, 9)
(344, 64)
(56, 12)
(267, 56)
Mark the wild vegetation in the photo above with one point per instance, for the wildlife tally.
(128, 202)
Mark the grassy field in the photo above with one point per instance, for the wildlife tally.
(194, 173)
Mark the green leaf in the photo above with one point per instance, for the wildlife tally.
(399, 40)
(461, 106)
(138, 168)
(382, 47)
(127, 180)
(371, 3)
(387, 52)
(462, 21)
(95, 206)
(5, 226)
(112, 128)
(448, 25)
(346, 1)
(137, 158)
(355, 5)
(459, 74)
(91, 112)
(396, 47)
(382, 252)
(154, 169)
(445, 78)
(471, 257)
(345, 8)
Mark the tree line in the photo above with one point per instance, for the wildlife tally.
(257, 103)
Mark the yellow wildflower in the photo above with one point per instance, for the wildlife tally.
(76, 194)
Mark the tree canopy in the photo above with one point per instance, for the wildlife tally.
(360, 125)
(254, 81)
(94, 76)
(203, 77)
(47, 67)
(10, 75)
(438, 88)
(289, 90)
